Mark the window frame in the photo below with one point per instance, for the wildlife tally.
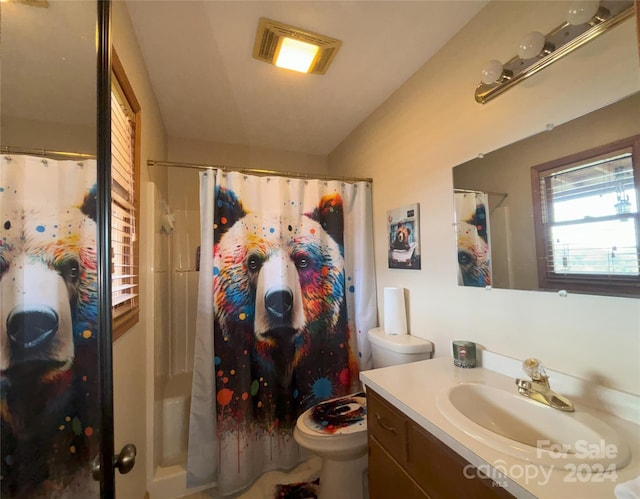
(122, 322)
(616, 285)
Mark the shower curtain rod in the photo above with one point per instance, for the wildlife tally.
(503, 196)
(471, 191)
(45, 152)
(254, 171)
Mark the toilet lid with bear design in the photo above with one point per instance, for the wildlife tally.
(338, 416)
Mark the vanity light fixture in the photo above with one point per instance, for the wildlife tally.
(586, 19)
(294, 48)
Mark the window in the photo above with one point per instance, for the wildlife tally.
(125, 173)
(587, 220)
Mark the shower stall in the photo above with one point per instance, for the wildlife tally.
(173, 213)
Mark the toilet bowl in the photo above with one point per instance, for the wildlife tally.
(336, 430)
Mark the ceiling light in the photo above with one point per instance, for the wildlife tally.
(295, 54)
(274, 39)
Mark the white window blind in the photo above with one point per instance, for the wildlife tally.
(123, 209)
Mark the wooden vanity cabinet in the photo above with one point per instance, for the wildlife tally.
(409, 462)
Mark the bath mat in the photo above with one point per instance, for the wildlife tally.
(299, 490)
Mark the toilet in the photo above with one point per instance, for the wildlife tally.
(336, 429)
(395, 349)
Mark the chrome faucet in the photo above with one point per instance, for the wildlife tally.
(538, 388)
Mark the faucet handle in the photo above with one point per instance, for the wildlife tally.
(534, 369)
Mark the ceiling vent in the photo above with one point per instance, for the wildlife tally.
(271, 34)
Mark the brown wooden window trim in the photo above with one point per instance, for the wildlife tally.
(122, 322)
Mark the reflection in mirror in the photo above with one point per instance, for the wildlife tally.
(494, 199)
(474, 258)
(48, 87)
(52, 401)
(586, 219)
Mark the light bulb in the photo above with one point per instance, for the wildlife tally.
(296, 55)
(582, 11)
(531, 45)
(491, 72)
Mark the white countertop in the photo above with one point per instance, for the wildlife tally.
(413, 388)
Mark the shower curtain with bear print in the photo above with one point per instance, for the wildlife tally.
(286, 297)
(51, 413)
(474, 250)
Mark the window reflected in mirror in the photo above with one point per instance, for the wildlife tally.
(586, 219)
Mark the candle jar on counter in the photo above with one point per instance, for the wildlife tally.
(464, 354)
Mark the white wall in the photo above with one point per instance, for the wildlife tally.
(237, 156)
(432, 123)
(133, 352)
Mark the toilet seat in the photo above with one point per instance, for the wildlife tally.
(336, 417)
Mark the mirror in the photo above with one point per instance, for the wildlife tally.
(494, 202)
(49, 76)
(56, 393)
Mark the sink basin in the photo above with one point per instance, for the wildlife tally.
(523, 428)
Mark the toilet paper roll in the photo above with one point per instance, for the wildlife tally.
(395, 315)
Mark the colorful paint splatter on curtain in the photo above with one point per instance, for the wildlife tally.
(49, 369)
(283, 336)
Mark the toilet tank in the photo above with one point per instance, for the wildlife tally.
(394, 349)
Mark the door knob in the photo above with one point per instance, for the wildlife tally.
(124, 461)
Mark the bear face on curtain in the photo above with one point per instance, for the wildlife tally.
(281, 334)
(50, 402)
(291, 266)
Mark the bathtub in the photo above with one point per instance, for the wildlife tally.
(171, 439)
(174, 408)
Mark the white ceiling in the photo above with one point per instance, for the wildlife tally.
(209, 87)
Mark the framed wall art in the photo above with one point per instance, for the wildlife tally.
(403, 233)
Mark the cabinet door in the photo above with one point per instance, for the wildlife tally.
(386, 477)
(388, 425)
(443, 472)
